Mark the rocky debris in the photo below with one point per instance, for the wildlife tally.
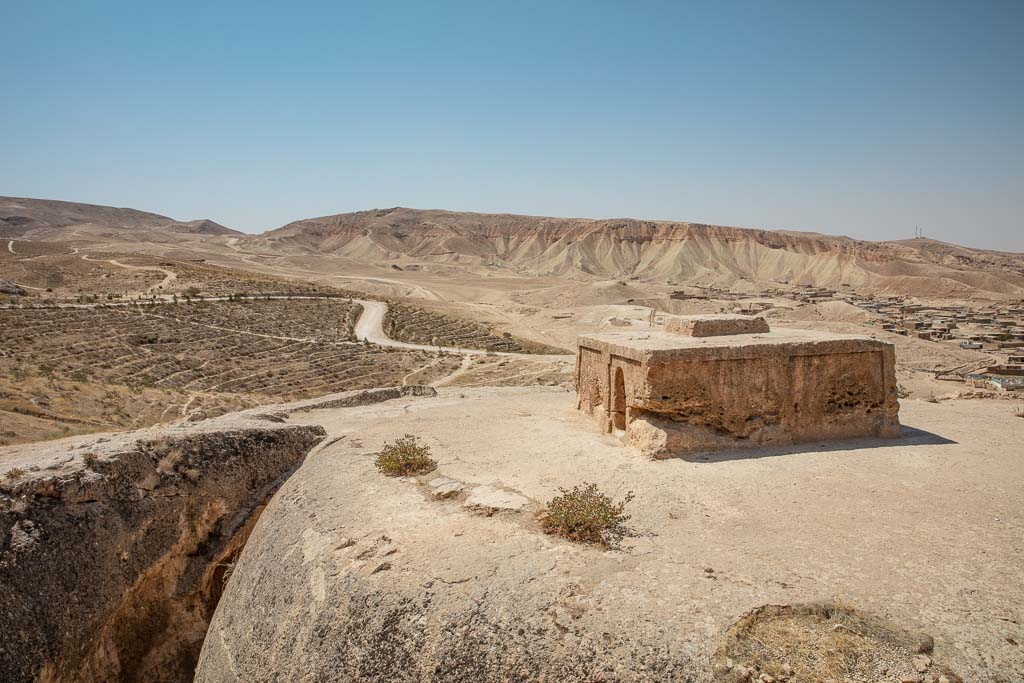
(9, 288)
(922, 662)
(490, 500)
(443, 487)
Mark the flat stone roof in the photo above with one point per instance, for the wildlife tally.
(657, 341)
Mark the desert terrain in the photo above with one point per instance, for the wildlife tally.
(135, 347)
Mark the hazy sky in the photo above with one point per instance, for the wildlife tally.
(862, 119)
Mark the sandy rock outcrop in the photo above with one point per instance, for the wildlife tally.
(114, 549)
(112, 564)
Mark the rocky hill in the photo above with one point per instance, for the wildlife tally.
(47, 219)
(687, 253)
(612, 249)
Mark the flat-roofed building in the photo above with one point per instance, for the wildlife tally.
(711, 382)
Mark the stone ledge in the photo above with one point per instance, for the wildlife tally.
(715, 325)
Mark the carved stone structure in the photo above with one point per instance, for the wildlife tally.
(710, 382)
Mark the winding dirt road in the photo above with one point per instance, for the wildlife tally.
(370, 327)
(169, 275)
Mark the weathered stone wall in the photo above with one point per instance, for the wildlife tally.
(595, 377)
(591, 381)
(764, 401)
(780, 389)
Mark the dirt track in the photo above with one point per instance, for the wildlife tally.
(370, 327)
(169, 275)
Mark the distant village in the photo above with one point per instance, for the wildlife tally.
(996, 327)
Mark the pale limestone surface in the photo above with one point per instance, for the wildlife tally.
(350, 575)
(443, 487)
(490, 499)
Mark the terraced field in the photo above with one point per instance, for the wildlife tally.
(51, 270)
(320, 319)
(408, 324)
(65, 370)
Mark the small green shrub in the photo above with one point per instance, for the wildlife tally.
(585, 515)
(404, 458)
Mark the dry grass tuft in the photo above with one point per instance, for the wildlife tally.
(585, 515)
(404, 458)
(1019, 412)
(15, 473)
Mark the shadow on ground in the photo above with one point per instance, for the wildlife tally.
(909, 436)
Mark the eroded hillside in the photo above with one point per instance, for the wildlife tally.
(651, 250)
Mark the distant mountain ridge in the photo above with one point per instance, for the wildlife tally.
(50, 219)
(678, 253)
(685, 253)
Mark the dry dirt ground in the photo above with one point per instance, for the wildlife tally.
(924, 531)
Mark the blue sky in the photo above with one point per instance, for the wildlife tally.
(861, 119)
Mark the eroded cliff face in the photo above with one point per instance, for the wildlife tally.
(654, 250)
(113, 551)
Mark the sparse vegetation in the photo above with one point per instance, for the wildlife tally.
(902, 391)
(586, 515)
(405, 457)
(1019, 412)
(15, 473)
(88, 364)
